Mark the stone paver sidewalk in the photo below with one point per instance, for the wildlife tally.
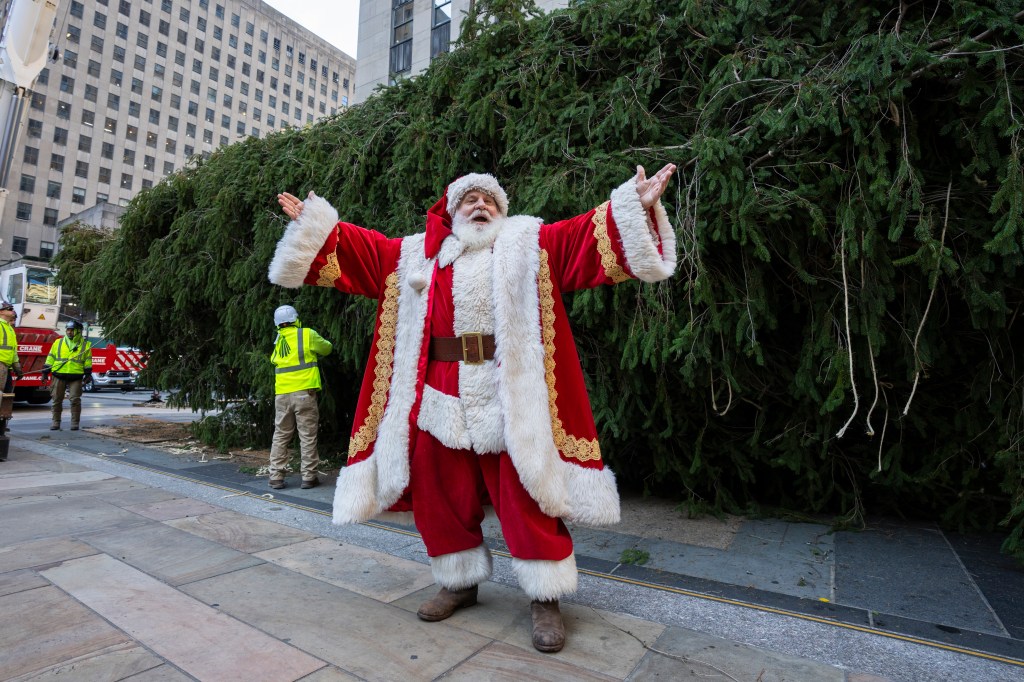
(104, 578)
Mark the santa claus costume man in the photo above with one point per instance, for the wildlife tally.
(473, 393)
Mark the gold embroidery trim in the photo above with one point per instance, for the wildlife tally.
(609, 261)
(385, 361)
(583, 449)
(329, 272)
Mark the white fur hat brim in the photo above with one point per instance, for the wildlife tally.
(484, 182)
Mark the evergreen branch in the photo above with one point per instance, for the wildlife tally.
(931, 296)
(959, 50)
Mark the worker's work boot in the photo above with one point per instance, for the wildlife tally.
(74, 426)
(55, 426)
(446, 603)
(548, 629)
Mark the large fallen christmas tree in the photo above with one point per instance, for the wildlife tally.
(843, 333)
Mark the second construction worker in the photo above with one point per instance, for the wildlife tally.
(70, 362)
(296, 383)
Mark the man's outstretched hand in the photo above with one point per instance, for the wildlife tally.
(651, 189)
(291, 204)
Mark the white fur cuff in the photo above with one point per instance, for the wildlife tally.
(460, 570)
(638, 244)
(355, 498)
(546, 580)
(302, 241)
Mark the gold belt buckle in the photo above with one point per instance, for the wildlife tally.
(467, 347)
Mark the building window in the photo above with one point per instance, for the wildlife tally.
(57, 163)
(84, 143)
(43, 78)
(118, 53)
(208, 136)
(91, 91)
(38, 101)
(440, 32)
(60, 136)
(142, 40)
(107, 151)
(401, 36)
(49, 218)
(151, 138)
(93, 68)
(64, 110)
(164, 28)
(105, 175)
(125, 8)
(126, 181)
(76, 9)
(67, 84)
(88, 117)
(144, 17)
(168, 167)
(121, 31)
(28, 183)
(189, 150)
(132, 133)
(140, 62)
(53, 189)
(82, 169)
(78, 195)
(31, 155)
(99, 20)
(46, 250)
(134, 109)
(225, 121)
(149, 163)
(70, 58)
(113, 102)
(24, 211)
(129, 156)
(116, 77)
(74, 34)
(170, 146)
(156, 94)
(110, 125)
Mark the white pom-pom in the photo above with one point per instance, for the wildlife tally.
(417, 280)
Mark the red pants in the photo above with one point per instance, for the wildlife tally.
(449, 488)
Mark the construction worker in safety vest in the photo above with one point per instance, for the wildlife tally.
(70, 362)
(9, 363)
(8, 359)
(296, 383)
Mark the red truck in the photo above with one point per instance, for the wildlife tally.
(36, 299)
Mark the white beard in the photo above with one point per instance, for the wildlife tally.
(473, 236)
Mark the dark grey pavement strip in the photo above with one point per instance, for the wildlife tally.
(225, 475)
(1000, 577)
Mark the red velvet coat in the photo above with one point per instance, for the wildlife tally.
(549, 429)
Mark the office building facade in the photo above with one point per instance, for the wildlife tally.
(398, 38)
(134, 88)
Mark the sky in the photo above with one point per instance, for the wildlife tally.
(336, 21)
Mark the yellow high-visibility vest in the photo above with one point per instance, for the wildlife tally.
(8, 344)
(65, 358)
(295, 354)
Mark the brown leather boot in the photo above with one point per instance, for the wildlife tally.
(548, 629)
(446, 603)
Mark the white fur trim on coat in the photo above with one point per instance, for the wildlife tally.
(461, 570)
(520, 354)
(638, 244)
(473, 302)
(546, 580)
(302, 241)
(485, 182)
(442, 417)
(355, 498)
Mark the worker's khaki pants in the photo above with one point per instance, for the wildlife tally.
(73, 388)
(293, 411)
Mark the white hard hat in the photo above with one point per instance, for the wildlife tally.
(284, 314)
